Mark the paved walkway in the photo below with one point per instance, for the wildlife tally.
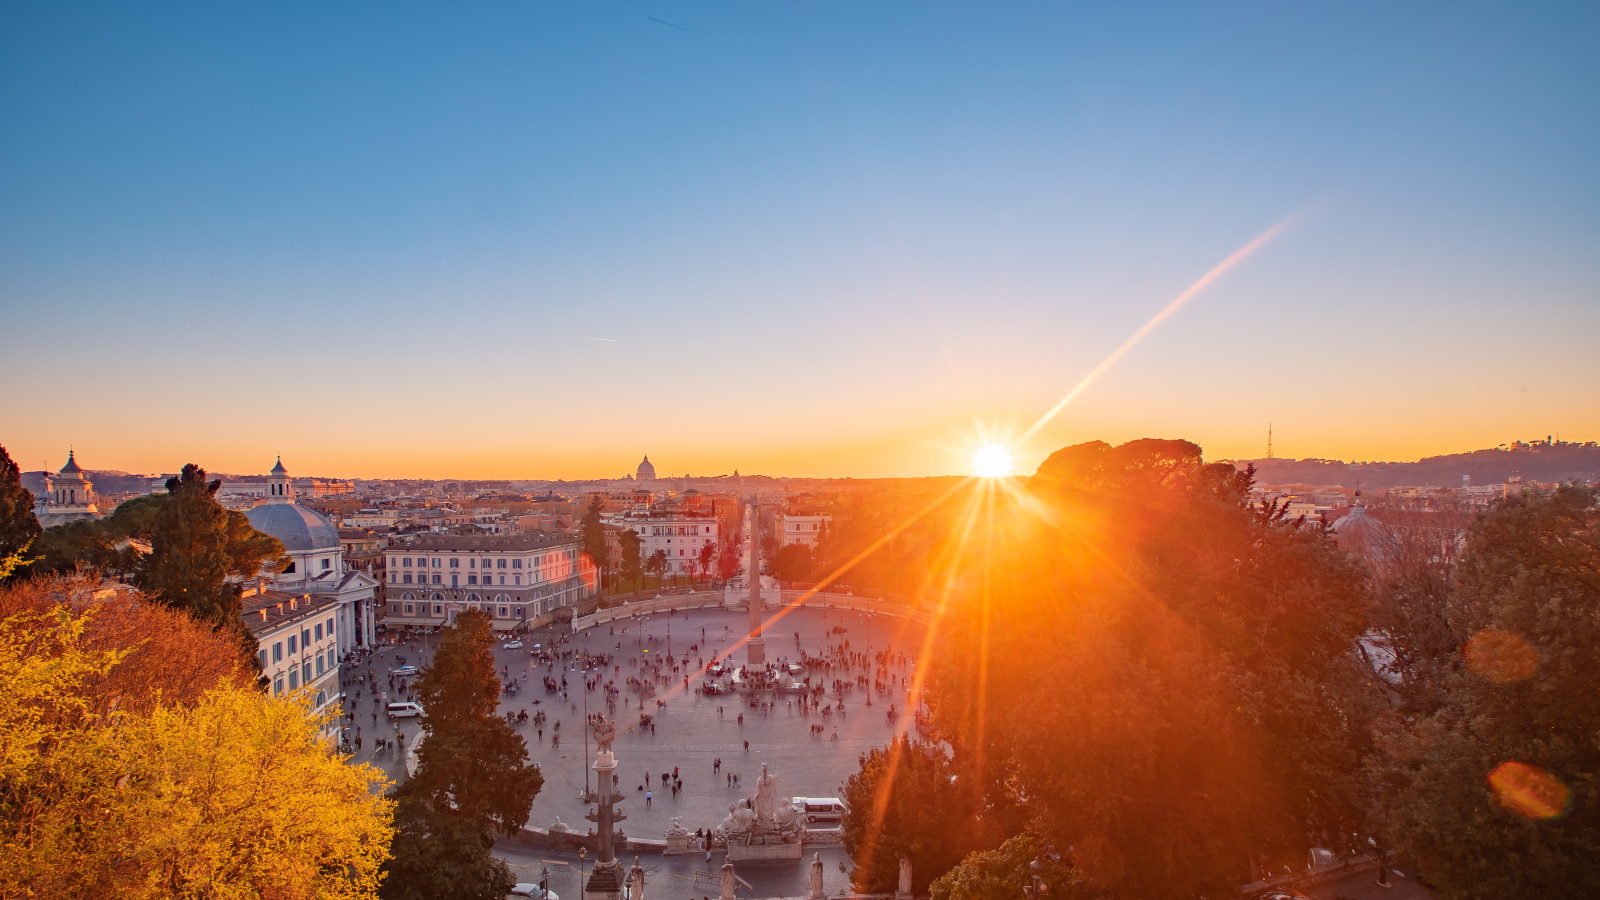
(691, 730)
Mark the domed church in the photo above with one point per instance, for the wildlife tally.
(310, 616)
(647, 471)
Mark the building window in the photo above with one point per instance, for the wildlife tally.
(502, 579)
(322, 697)
(405, 562)
(289, 568)
(503, 612)
(294, 679)
(408, 609)
(277, 686)
(500, 564)
(305, 638)
(327, 564)
(472, 579)
(319, 664)
(455, 563)
(291, 645)
(318, 632)
(436, 579)
(516, 579)
(330, 626)
(407, 578)
(436, 563)
(305, 671)
(522, 613)
(277, 652)
(438, 610)
(516, 564)
(261, 656)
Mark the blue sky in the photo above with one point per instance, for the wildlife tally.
(824, 238)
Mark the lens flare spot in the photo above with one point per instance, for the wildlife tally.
(1529, 790)
(1500, 656)
(992, 461)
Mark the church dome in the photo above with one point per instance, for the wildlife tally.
(647, 472)
(295, 526)
(278, 468)
(71, 468)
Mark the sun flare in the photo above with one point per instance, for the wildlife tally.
(991, 461)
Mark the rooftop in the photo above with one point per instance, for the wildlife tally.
(483, 542)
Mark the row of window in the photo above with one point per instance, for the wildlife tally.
(412, 609)
(405, 578)
(680, 530)
(304, 673)
(422, 562)
(309, 634)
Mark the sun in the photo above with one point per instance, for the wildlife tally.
(991, 461)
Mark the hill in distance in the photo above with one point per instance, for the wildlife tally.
(1536, 461)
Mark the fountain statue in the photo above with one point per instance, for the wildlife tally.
(764, 826)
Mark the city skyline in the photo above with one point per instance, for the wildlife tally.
(793, 240)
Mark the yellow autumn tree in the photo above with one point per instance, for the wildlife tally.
(229, 794)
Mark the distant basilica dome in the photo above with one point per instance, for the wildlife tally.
(647, 472)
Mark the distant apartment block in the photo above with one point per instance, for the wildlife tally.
(514, 578)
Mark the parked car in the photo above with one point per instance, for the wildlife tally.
(820, 809)
(404, 671)
(511, 645)
(532, 889)
(404, 710)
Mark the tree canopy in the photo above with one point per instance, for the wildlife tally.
(1155, 674)
(890, 801)
(594, 537)
(632, 565)
(199, 552)
(18, 526)
(198, 791)
(473, 778)
(1496, 792)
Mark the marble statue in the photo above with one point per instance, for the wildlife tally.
(816, 877)
(905, 877)
(766, 799)
(636, 881)
(727, 882)
(677, 826)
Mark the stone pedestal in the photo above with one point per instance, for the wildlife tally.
(677, 844)
(605, 882)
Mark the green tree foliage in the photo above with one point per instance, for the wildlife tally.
(657, 563)
(708, 553)
(199, 552)
(1497, 792)
(117, 780)
(18, 527)
(473, 778)
(792, 562)
(594, 537)
(729, 531)
(632, 567)
(893, 800)
(1156, 675)
(1002, 874)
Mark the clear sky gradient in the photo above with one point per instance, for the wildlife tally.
(817, 238)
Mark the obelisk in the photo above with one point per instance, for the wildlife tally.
(756, 648)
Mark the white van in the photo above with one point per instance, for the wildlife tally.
(820, 809)
(404, 710)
